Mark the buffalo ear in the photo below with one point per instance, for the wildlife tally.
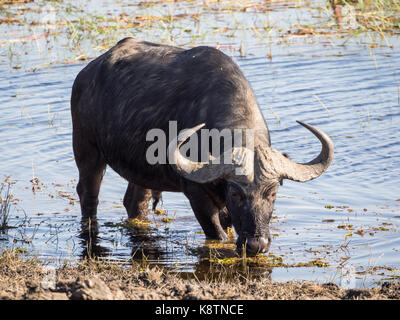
(288, 157)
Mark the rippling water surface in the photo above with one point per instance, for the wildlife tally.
(348, 218)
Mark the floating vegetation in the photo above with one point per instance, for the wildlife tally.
(19, 251)
(380, 229)
(215, 244)
(360, 232)
(267, 261)
(159, 211)
(130, 224)
(347, 227)
(313, 263)
(137, 223)
(370, 230)
(261, 260)
(166, 220)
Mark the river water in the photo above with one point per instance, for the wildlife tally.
(348, 218)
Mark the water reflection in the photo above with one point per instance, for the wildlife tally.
(145, 245)
(90, 241)
(216, 260)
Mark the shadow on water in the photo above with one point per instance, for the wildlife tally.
(145, 245)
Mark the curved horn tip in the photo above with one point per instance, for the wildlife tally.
(307, 171)
(319, 133)
(194, 129)
(201, 125)
(303, 123)
(186, 133)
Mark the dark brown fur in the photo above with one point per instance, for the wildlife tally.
(137, 86)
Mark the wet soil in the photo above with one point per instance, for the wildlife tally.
(94, 280)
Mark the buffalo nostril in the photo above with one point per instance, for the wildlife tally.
(257, 245)
(253, 245)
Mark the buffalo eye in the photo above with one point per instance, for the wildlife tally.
(236, 195)
(270, 194)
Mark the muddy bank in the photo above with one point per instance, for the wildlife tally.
(93, 280)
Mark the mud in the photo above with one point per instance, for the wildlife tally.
(28, 279)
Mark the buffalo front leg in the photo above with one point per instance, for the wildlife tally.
(205, 210)
(225, 218)
(90, 177)
(91, 166)
(136, 201)
(88, 190)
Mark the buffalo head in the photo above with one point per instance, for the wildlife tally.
(250, 195)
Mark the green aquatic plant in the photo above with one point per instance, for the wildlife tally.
(266, 261)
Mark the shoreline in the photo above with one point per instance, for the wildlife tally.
(29, 279)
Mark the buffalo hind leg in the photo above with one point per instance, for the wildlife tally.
(136, 201)
(205, 210)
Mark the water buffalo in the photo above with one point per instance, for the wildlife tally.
(137, 86)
